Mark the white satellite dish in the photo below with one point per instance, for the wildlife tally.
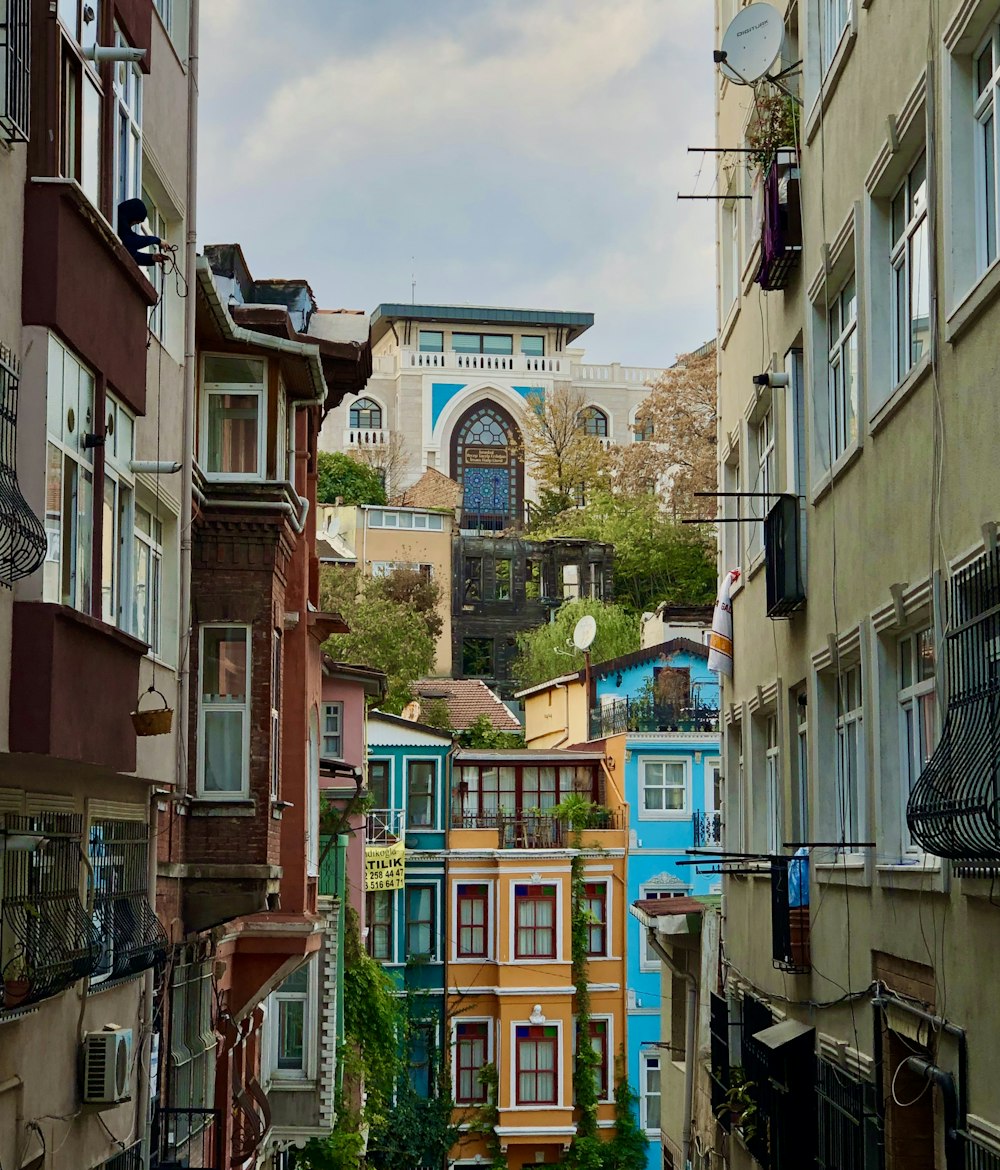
(584, 632)
(752, 44)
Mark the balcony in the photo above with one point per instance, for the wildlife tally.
(622, 716)
(384, 826)
(366, 437)
(789, 917)
(537, 830)
(411, 359)
(615, 374)
(707, 829)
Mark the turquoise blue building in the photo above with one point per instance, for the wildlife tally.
(408, 778)
(666, 701)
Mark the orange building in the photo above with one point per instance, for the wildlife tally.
(510, 996)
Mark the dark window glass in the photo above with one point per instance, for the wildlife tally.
(431, 341)
(378, 783)
(366, 415)
(477, 657)
(533, 346)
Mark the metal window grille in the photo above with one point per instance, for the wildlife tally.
(978, 1156)
(719, 1071)
(47, 939)
(849, 1136)
(952, 808)
(756, 1065)
(132, 938)
(15, 69)
(130, 1159)
(22, 535)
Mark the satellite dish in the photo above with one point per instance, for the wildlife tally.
(752, 44)
(584, 632)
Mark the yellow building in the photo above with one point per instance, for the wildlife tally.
(510, 994)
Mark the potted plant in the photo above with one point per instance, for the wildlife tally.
(16, 981)
(740, 1103)
(772, 129)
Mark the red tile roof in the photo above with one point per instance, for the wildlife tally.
(432, 490)
(467, 699)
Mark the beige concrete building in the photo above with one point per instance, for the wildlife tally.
(857, 287)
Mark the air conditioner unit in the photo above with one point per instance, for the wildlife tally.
(107, 1060)
(783, 555)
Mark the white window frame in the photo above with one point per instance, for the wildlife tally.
(912, 758)
(801, 828)
(532, 960)
(729, 261)
(148, 545)
(224, 705)
(333, 711)
(127, 88)
(490, 1022)
(307, 1070)
(915, 224)
(837, 16)
(850, 774)
(165, 10)
(985, 109)
(258, 390)
(156, 225)
(731, 538)
(772, 777)
(673, 814)
(434, 826)
(71, 415)
(843, 356)
(474, 880)
(560, 1068)
(118, 600)
(607, 1018)
(648, 1061)
(762, 434)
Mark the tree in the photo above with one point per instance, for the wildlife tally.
(545, 652)
(338, 475)
(562, 457)
(413, 589)
(482, 734)
(680, 458)
(656, 558)
(387, 460)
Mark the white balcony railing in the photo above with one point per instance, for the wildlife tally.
(384, 825)
(614, 374)
(363, 437)
(503, 363)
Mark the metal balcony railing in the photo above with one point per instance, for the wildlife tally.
(641, 715)
(187, 1137)
(789, 924)
(47, 939)
(707, 829)
(23, 540)
(384, 825)
(536, 830)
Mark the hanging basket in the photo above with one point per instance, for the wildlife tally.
(155, 722)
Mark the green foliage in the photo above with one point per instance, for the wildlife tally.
(487, 1117)
(418, 1133)
(543, 652)
(580, 813)
(412, 589)
(628, 1148)
(387, 634)
(482, 734)
(435, 713)
(656, 558)
(340, 475)
(339, 1150)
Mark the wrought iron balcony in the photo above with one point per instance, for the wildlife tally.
(384, 825)
(640, 715)
(535, 830)
(47, 939)
(132, 938)
(952, 810)
(707, 829)
(22, 536)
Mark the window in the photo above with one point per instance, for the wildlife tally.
(156, 225)
(384, 518)
(127, 80)
(291, 1030)
(477, 657)
(366, 415)
(69, 480)
(843, 371)
(850, 756)
(571, 582)
(772, 773)
(602, 1072)
(594, 422)
(473, 921)
(503, 574)
(801, 827)
(533, 579)
(379, 917)
(535, 922)
(192, 1048)
(986, 81)
(649, 959)
(915, 657)
(729, 237)
(762, 440)
(910, 272)
(420, 936)
(664, 788)
(537, 1067)
(333, 731)
(15, 67)
(836, 18)
(532, 346)
(147, 556)
(649, 1092)
(166, 10)
(131, 939)
(420, 778)
(378, 783)
(224, 711)
(421, 1059)
(119, 522)
(501, 344)
(596, 903)
(472, 1040)
(233, 435)
(431, 341)
(275, 714)
(81, 95)
(642, 429)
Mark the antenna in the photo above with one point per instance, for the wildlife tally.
(413, 280)
(584, 632)
(752, 44)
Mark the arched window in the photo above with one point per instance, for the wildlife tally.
(594, 421)
(486, 460)
(366, 415)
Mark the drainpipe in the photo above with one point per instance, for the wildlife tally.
(690, 1040)
(946, 1083)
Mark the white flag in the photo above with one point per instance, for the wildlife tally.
(720, 644)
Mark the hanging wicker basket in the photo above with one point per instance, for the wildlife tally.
(155, 722)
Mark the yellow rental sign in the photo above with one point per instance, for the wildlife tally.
(384, 865)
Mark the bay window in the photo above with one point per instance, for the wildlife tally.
(81, 96)
(535, 922)
(224, 711)
(234, 417)
(537, 1056)
(69, 480)
(292, 1026)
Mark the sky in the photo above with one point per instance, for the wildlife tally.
(523, 153)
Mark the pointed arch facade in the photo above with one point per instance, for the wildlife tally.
(487, 459)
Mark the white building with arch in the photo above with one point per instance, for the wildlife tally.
(450, 388)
